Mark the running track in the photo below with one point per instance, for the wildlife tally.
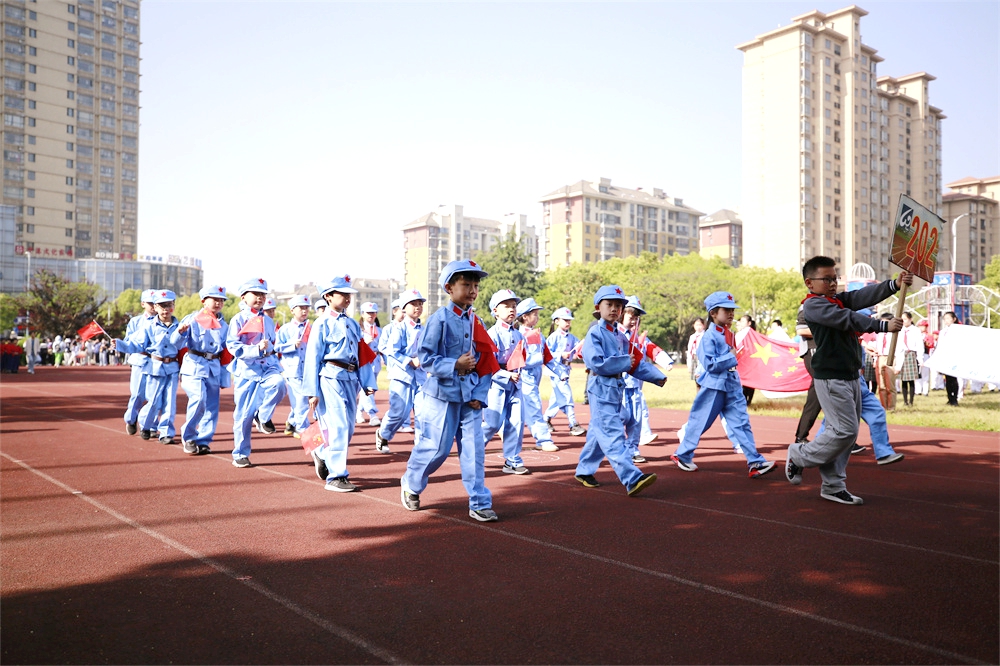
(119, 550)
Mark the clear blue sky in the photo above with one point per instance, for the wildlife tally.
(293, 140)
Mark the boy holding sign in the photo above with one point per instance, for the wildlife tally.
(835, 325)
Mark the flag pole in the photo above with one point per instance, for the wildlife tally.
(895, 334)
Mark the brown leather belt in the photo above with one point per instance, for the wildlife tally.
(168, 359)
(210, 357)
(350, 367)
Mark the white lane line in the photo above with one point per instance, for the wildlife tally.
(322, 623)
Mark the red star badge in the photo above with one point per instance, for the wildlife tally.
(260, 280)
(347, 279)
(473, 264)
(618, 291)
(729, 296)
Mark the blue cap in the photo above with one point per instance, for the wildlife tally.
(341, 284)
(463, 266)
(299, 302)
(501, 296)
(609, 292)
(409, 297)
(527, 305)
(563, 313)
(633, 302)
(164, 296)
(720, 299)
(214, 291)
(319, 305)
(269, 304)
(147, 296)
(369, 307)
(256, 285)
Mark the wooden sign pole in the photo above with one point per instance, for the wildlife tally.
(899, 313)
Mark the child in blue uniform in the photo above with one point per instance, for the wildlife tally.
(202, 375)
(258, 386)
(563, 345)
(609, 357)
(450, 403)
(721, 391)
(405, 374)
(291, 346)
(338, 366)
(536, 356)
(139, 363)
(504, 408)
(153, 338)
(372, 331)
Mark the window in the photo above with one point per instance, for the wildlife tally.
(71, 43)
(30, 210)
(85, 66)
(85, 50)
(29, 228)
(31, 176)
(69, 164)
(69, 180)
(31, 195)
(69, 216)
(107, 54)
(70, 26)
(69, 232)
(71, 112)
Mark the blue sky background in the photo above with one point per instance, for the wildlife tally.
(293, 139)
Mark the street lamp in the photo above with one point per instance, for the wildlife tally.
(954, 240)
(27, 288)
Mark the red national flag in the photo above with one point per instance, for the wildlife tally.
(253, 325)
(577, 350)
(535, 338)
(207, 320)
(517, 357)
(312, 437)
(487, 363)
(90, 330)
(771, 365)
(226, 357)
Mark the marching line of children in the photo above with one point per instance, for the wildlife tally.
(564, 346)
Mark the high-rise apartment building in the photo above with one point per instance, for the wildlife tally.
(972, 211)
(722, 237)
(71, 126)
(591, 221)
(446, 234)
(828, 145)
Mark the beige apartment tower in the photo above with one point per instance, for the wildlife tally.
(828, 145)
(972, 212)
(71, 126)
(591, 221)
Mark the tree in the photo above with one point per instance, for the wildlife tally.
(509, 267)
(58, 306)
(991, 274)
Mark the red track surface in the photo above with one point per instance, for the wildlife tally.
(118, 550)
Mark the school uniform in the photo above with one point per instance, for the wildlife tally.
(536, 357)
(504, 404)
(371, 334)
(139, 363)
(161, 374)
(333, 374)
(290, 343)
(401, 346)
(561, 342)
(201, 376)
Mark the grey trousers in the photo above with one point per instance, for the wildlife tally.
(830, 451)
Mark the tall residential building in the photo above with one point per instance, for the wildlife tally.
(722, 236)
(972, 209)
(591, 221)
(828, 145)
(446, 234)
(71, 126)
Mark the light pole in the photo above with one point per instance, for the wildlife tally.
(27, 288)
(954, 240)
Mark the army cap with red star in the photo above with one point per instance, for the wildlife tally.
(720, 299)
(463, 266)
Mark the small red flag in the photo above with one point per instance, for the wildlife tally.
(517, 357)
(771, 365)
(253, 325)
(207, 320)
(305, 333)
(365, 353)
(312, 437)
(577, 350)
(226, 357)
(487, 363)
(90, 330)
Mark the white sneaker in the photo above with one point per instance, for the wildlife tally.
(359, 418)
(649, 438)
(406, 429)
(374, 422)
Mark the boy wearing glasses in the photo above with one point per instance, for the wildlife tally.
(835, 327)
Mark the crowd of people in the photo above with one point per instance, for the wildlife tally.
(58, 351)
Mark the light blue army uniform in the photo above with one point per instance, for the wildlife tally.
(292, 351)
(504, 408)
(443, 413)
(138, 361)
(387, 333)
(333, 374)
(562, 395)
(535, 350)
(153, 339)
(607, 354)
(402, 345)
(372, 335)
(202, 375)
(721, 393)
(258, 386)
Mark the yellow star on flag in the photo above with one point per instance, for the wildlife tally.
(777, 374)
(764, 353)
(792, 368)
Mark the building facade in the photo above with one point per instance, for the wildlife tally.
(721, 235)
(972, 226)
(592, 221)
(447, 234)
(828, 145)
(71, 125)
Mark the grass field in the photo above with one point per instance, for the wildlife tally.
(976, 411)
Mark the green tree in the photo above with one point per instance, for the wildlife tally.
(509, 267)
(58, 306)
(9, 311)
(991, 274)
(767, 294)
(571, 287)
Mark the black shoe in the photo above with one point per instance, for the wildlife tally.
(130, 428)
(166, 439)
(411, 501)
(204, 450)
(548, 423)
(511, 469)
(289, 430)
(644, 482)
(842, 497)
(588, 480)
(267, 427)
(190, 448)
(857, 448)
(341, 485)
(793, 472)
(321, 471)
(637, 458)
(146, 434)
(381, 443)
